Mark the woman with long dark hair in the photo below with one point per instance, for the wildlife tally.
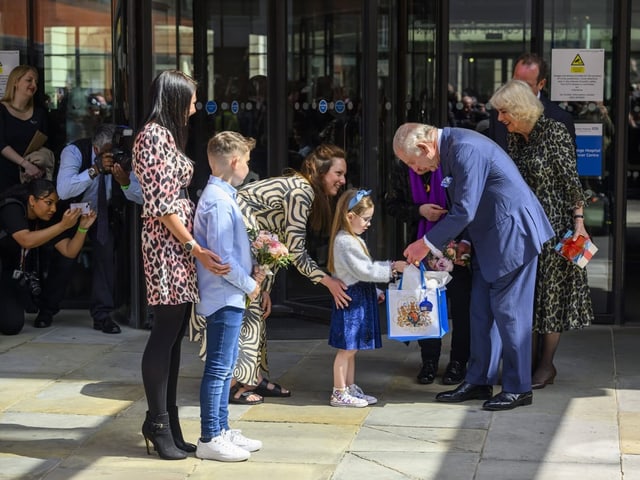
(168, 251)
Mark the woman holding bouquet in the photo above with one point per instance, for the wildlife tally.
(546, 157)
(286, 205)
(420, 201)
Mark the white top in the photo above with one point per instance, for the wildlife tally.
(353, 265)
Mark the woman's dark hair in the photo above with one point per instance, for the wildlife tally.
(171, 93)
(39, 188)
(314, 167)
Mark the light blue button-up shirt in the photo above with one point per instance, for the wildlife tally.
(73, 182)
(219, 227)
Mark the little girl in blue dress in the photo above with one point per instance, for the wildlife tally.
(356, 327)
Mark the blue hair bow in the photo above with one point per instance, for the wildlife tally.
(360, 194)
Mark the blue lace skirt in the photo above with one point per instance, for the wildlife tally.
(357, 327)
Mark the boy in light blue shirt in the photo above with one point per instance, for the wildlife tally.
(219, 226)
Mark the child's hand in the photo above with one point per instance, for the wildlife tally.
(399, 265)
(258, 274)
(381, 296)
(256, 291)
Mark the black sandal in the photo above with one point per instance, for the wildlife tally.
(263, 389)
(244, 396)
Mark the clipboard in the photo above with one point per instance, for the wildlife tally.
(36, 143)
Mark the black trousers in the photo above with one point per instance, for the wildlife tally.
(459, 296)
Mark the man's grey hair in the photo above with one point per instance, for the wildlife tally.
(409, 134)
(103, 135)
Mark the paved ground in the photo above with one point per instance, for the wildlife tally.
(72, 403)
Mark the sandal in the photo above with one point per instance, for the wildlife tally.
(244, 396)
(263, 389)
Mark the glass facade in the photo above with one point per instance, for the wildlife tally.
(293, 74)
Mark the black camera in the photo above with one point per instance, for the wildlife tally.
(28, 282)
(122, 146)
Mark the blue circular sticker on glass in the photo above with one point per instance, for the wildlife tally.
(339, 106)
(235, 106)
(211, 107)
(322, 106)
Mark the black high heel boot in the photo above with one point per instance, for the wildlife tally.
(158, 432)
(176, 431)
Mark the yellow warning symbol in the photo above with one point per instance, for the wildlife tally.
(577, 65)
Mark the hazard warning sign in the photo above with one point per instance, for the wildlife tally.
(577, 75)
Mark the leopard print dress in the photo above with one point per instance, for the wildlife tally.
(548, 164)
(164, 172)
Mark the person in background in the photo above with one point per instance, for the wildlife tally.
(287, 205)
(533, 70)
(507, 227)
(357, 326)
(26, 223)
(168, 253)
(87, 173)
(20, 119)
(420, 201)
(219, 226)
(544, 153)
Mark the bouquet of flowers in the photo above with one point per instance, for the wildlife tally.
(449, 258)
(268, 250)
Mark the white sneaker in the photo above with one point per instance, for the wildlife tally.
(356, 391)
(235, 436)
(341, 398)
(222, 450)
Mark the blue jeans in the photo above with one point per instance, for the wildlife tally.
(223, 331)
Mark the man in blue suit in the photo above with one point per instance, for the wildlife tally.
(505, 223)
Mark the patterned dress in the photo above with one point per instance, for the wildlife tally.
(164, 173)
(548, 164)
(282, 206)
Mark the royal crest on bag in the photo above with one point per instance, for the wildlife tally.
(417, 306)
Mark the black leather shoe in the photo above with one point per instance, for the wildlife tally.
(106, 325)
(466, 391)
(43, 320)
(428, 372)
(455, 373)
(507, 401)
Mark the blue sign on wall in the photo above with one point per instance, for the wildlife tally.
(211, 107)
(322, 106)
(589, 149)
(339, 106)
(235, 107)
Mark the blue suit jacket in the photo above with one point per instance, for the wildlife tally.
(489, 198)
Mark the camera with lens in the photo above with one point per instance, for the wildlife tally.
(28, 282)
(122, 146)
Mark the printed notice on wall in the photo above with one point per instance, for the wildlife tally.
(9, 59)
(589, 149)
(577, 75)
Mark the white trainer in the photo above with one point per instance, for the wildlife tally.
(342, 398)
(235, 436)
(356, 391)
(219, 448)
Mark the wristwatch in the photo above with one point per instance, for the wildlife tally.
(189, 246)
(93, 173)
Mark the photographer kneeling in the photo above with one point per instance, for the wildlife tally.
(26, 223)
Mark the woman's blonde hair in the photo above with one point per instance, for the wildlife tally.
(341, 219)
(516, 98)
(14, 77)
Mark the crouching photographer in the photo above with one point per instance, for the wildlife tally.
(26, 223)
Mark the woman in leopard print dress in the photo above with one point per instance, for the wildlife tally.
(546, 157)
(286, 206)
(168, 251)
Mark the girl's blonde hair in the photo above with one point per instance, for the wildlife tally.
(341, 219)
